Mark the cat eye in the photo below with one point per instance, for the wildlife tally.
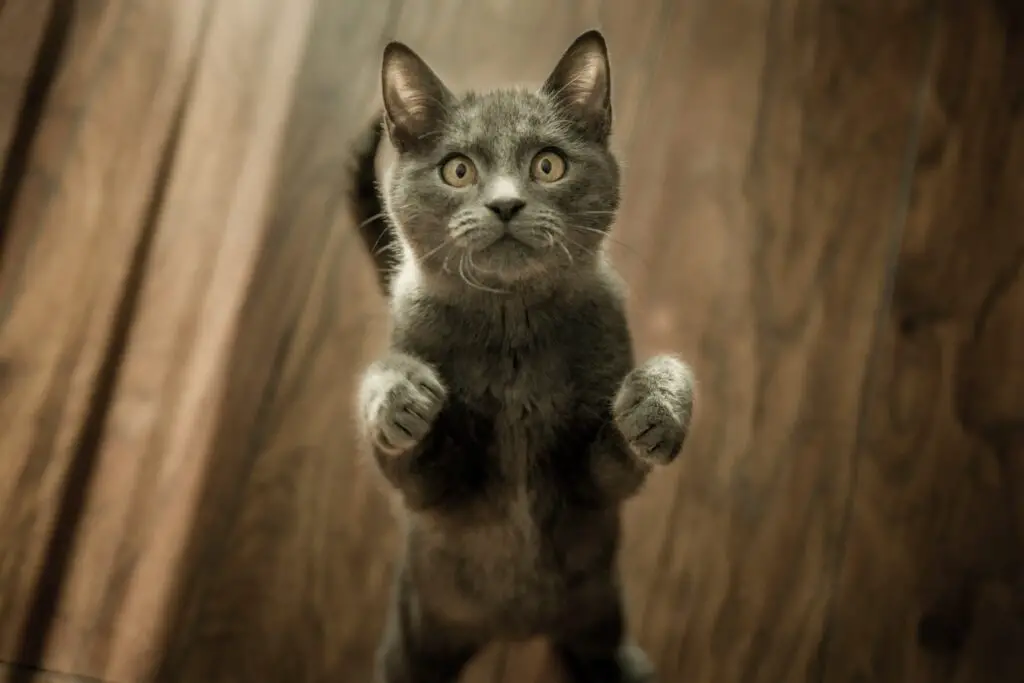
(458, 171)
(548, 166)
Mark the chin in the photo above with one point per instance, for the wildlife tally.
(511, 263)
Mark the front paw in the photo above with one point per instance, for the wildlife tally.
(653, 408)
(401, 397)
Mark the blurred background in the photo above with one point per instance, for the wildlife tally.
(824, 213)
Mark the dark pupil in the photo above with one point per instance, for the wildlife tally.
(460, 170)
(545, 166)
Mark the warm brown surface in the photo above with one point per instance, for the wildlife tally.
(27, 674)
(932, 514)
(14, 674)
(71, 239)
(823, 213)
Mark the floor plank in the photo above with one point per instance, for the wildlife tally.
(22, 27)
(284, 599)
(931, 543)
(158, 436)
(19, 674)
(701, 77)
(184, 306)
(69, 246)
(767, 223)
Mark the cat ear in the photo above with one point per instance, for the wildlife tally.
(415, 100)
(581, 85)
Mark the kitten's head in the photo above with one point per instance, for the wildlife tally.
(507, 189)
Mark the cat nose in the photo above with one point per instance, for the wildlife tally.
(506, 208)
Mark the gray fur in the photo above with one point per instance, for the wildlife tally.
(508, 413)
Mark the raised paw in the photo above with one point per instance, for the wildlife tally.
(401, 397)
(653, 408)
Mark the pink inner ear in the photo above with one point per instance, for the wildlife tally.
(412, 100)
(587, 79)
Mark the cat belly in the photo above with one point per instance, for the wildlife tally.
(516, 577)
(516, 556)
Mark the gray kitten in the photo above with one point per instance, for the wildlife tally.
(507, 412)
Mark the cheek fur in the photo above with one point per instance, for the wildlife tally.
(584, 194)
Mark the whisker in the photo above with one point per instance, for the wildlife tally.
(586, 228)
(469, 281)
(374, 217)
(375, 248)
(604, 234)
(474, 272)
(582, 247)
(432, 252)
(565, 250)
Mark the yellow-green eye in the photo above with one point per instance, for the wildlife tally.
(548, 166)
(458, 171)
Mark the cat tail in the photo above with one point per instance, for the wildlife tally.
(366, 205)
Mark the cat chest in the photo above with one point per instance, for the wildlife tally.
(527, 397)
(526, 433)
(512, 542)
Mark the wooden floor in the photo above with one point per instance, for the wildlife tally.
(824, 212)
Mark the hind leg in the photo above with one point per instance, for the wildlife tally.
(418, 647)
(595, 649)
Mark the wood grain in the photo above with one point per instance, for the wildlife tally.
(69, 246)
(767, 223)
(157, 438)
(22, 27)
(822, 213)
(22, 674)
(931, 546)
(283, 600)
(693, 170)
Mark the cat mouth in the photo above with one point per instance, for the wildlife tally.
(505, 240)
(504, 255)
